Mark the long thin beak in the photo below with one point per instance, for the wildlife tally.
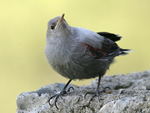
(59, 21)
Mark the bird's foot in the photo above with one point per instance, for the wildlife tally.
(95, 94)
(56, 96)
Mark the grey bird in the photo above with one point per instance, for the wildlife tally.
(78, 53)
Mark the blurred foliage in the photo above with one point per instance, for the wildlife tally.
(23, 25)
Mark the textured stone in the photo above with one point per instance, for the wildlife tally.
(129, 94)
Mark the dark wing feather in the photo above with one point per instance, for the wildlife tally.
(114, 38)
(109, 49)
(110, 36)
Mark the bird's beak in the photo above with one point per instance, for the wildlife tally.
(59, 21)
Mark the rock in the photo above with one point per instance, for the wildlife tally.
(129, 94)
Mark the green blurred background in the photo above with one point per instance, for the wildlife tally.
(23, 25)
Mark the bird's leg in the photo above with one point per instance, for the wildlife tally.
(64, 91)
(96, 93)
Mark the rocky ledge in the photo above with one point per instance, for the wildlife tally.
(129, 94)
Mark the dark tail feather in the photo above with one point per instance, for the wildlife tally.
(124, 51)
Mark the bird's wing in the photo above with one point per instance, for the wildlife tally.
(108, 49)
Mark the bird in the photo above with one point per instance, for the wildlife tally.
(78, 53)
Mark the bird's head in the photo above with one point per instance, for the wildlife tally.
(57, 27)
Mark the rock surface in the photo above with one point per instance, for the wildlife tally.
(129, 94)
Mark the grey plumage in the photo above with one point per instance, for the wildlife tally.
(78, 53)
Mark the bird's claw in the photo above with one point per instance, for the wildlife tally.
(104, 89)
(95, 94)
(70, 88)
(51, 98)
(56, 96)
(88, 93)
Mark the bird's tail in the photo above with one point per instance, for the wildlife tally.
(124, 52)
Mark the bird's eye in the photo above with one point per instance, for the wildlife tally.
(52, 27)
